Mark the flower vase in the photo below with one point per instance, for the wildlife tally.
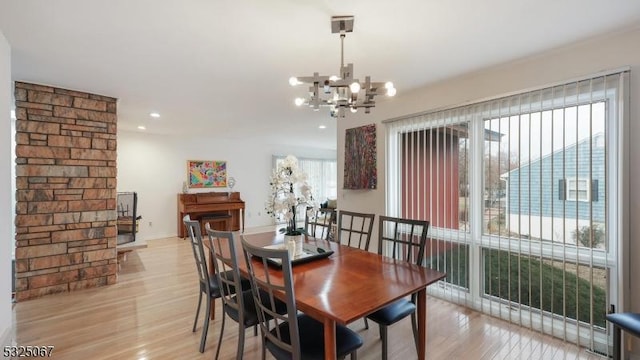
(297, 240)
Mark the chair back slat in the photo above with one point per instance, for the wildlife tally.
(317, 222)
(402, 239)
(354, 229)
(195, 237)
(222, 245)
(258, 266)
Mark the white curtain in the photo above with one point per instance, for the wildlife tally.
(323, 177)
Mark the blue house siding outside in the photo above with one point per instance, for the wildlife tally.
(537, 189)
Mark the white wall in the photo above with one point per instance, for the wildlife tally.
(6, 210)
(580, 59)
(155, 166)
(557, 229)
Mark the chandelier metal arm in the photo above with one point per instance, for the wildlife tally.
(342, 36)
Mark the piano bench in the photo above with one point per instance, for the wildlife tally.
(220, 222)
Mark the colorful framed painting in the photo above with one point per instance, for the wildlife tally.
(360, 168)
(207, 174)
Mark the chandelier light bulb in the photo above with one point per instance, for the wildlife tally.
(391, 91)
(334, 78)
(388, 85)
(354, 109)
(299, 101)
(355, 87)
(293, 81)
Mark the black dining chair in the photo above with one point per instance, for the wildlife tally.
(354, 229)
(402, 239)
(209, 285)
(318, 222)
(238, 306)
(626, 321)
(289, 335)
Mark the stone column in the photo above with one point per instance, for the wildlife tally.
(66, 190)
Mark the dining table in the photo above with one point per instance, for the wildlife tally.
(347, 285)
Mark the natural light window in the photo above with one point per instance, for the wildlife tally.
(578, 190)
(323, 176)
(521, 193)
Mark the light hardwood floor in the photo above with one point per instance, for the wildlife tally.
(148, 314)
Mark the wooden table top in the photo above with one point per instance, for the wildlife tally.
(349, 284)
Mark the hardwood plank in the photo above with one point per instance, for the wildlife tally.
(149, 314)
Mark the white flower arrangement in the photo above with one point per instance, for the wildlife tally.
(289, 190)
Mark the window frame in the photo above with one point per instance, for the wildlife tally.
(573, 184)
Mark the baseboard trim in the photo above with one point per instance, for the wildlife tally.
(8, 337)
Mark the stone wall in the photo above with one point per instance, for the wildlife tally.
(66, 190)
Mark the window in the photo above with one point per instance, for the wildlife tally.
(578, 190)
(434, 186)
(323, 176)
(522, 194)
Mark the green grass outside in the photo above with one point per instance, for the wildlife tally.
(501, 274)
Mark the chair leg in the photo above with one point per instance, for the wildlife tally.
(414, 325)
(224, 316)
(617, 337)
(240, 352)
(195, 322)
(212, 314)
(264, 350)
(366, 324)
(205, 329)
(255, 330)
(383, 336)
(354, 355)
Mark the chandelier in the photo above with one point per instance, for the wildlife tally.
(341, 92)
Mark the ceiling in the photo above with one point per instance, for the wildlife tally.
(222, 67)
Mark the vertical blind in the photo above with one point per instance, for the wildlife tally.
(522, 193)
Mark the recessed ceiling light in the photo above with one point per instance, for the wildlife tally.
(141, 127)
(154, 115)
(322, 127)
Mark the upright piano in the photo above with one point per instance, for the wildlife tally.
(208, 203)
